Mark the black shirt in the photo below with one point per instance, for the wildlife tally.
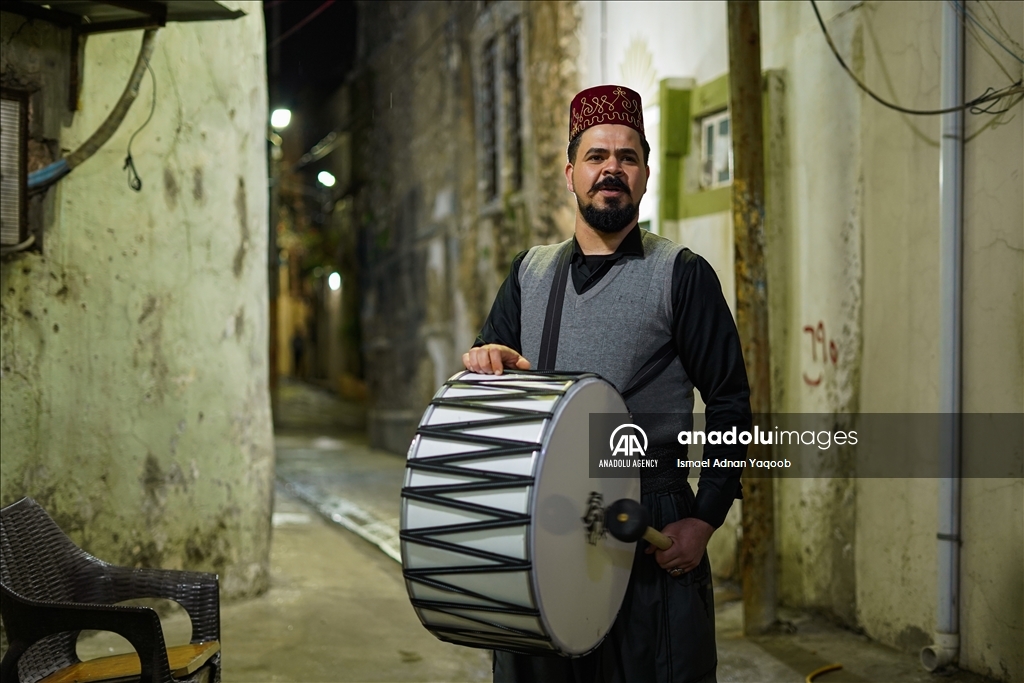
(706, 340)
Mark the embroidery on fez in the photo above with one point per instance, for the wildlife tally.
(597, 109)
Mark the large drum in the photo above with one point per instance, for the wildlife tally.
(502, 544)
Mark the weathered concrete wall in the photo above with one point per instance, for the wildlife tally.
(993, 514)
(134, 355)
(861, 241)
(896, 520)
(434, 248)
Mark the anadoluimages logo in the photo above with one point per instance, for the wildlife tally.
(628, 445)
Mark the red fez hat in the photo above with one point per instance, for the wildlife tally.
(606, 104)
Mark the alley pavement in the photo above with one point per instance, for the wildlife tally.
(337, 609)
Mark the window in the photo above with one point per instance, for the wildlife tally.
(13, 161)
(514, 105)
(715, 151)
(500, 95)
(489, 117)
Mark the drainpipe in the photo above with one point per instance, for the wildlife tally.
(48, 175)
(945, 648)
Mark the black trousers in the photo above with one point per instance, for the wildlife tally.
(665, 631)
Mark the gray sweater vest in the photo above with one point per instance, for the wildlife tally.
(612, 329)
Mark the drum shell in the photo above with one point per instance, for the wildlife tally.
(494, 545)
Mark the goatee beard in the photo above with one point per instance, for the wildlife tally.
(610, 220)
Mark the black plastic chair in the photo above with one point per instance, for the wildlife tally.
(50, 589)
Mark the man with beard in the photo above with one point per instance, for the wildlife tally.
(637, 301)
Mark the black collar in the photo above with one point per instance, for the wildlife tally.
(631, 245)
(587, 271)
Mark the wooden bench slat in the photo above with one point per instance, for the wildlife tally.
(183, 659)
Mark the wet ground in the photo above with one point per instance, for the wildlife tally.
(337, 608)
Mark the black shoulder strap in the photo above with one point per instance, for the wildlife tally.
(553, 317)
(654, 366)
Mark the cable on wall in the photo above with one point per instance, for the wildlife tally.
(967, 15)
(134, 181)
(990, 95)
(46, 176)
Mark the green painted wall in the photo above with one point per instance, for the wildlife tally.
(133, 400)
(681, 197)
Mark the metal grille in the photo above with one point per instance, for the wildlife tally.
(513, 85)
(12, 170)
(489, 111)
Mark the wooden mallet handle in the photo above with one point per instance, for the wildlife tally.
(628, 521)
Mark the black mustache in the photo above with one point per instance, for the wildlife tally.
(610, 183)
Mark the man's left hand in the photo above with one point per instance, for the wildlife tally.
(689, 540)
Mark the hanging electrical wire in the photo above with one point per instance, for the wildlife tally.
(308, 18)
(134, 181)
(974, 106)
(965, 13)
(39, 180)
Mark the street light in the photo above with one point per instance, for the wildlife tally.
(325, 179)
(334, 281)
(280, 118)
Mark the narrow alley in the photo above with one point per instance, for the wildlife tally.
(325, 327)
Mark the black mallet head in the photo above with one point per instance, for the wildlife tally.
(627, 520)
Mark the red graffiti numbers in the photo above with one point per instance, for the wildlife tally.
(829, 351)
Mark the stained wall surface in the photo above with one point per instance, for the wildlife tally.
(816, 254)
(896, 520)
(134, 363)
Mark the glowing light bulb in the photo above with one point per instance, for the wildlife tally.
(280, 118)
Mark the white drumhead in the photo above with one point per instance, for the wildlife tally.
(579, 586)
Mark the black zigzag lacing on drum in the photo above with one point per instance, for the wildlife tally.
(514, 639)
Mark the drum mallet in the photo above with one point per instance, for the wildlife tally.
(628, 521)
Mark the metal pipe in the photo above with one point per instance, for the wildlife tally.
(945, 648)
(46, 176)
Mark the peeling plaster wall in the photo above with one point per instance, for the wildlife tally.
(992, 593)
(134, 397)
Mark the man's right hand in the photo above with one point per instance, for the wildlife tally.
(490, 359)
